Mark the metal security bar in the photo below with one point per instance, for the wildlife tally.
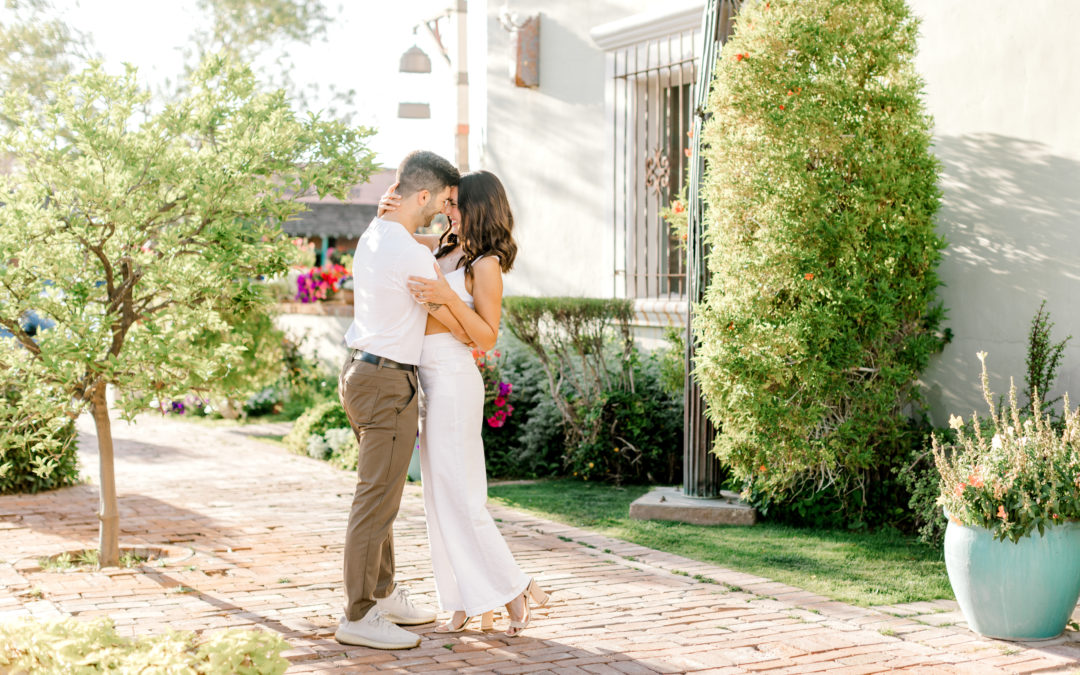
(654, 102)
(702, 472)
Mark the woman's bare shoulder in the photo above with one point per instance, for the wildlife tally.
(489, 263)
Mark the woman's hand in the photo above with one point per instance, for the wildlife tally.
(432, 291)
(389, 202)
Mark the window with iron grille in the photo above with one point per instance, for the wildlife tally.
(653, 90)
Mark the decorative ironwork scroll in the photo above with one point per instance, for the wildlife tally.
(657, 171)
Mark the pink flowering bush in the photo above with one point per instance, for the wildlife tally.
(497, 407)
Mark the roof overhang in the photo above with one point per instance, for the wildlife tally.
(637, 28)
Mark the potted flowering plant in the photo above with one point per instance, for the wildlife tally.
(347, 282)
(320, 283)
(1010, 487)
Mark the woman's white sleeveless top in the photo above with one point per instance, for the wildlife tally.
(456, 279)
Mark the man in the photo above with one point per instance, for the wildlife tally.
(378, 388)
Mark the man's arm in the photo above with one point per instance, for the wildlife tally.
(429, 240)
(423, 263)
(480, 324)
(443, 315)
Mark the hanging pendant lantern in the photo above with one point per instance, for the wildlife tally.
(414, 60)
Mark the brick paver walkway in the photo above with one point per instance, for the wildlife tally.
(262, 530)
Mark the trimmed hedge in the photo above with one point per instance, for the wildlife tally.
(821, 192)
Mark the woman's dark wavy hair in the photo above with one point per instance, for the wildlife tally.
(486, 222)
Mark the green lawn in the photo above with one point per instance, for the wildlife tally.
(859, 568)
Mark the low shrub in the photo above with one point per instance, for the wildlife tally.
(344, 450)
(337, 446)
(72, 646)
(317, 447)
(303, 383)
(293, 383)
(620, 415)
(639, 430)
(877, 497)
(572, 338)
(529, 442)
(35, 454)
(317, 420)
(920, 478)
(635, 430)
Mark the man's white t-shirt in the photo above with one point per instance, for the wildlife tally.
(387, 320)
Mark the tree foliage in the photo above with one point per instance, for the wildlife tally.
(143, 237)
(243, 27)
(37, 48)
(261, 32)
(820, 196)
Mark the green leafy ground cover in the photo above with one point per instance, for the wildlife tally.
(861, 568)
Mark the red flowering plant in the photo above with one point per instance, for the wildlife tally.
(675, 213)
(1020, 475)
(497, 407)
(678, 218)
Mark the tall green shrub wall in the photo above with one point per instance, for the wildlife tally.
(820, 194)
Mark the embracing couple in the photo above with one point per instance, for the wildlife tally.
(422, 303)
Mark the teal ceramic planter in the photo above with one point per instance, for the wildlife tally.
(1022, 591)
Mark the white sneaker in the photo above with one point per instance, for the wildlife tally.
(375, 631)
(401, 610)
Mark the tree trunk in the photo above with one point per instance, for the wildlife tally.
(109, 535)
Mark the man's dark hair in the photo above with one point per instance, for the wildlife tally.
(424, 170)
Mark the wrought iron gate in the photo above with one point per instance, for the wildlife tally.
(702, 472)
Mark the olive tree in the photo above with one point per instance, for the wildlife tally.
(143, 236)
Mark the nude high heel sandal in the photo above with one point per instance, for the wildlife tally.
(487, 622)
(537, 595)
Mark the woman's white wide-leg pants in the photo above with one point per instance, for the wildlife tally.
(474, 569)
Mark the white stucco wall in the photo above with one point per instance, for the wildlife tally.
(548, 146)
(1001, 83)
(320, 336)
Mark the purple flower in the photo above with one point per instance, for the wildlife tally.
(505, 388)
(178, 407)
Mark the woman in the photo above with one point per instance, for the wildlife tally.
(474, 569)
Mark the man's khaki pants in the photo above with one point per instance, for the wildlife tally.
(381, 404)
